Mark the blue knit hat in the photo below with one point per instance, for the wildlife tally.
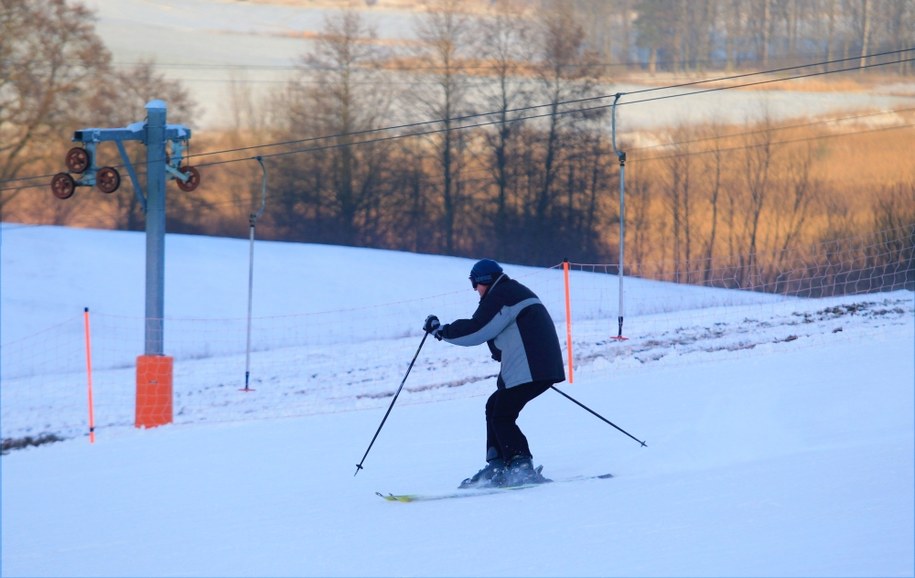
(485, 272)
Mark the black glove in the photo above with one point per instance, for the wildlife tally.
(433, 326)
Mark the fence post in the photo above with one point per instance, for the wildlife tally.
(89, 376)
(565, 271)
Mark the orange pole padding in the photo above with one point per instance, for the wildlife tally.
(89, 376)
(565, 270)
(154, 390)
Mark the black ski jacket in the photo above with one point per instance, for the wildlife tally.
(519, 331)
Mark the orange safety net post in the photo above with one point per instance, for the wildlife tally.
(154, 390)
(565, 271)
(89, 376)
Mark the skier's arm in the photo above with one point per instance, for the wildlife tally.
(487, 322)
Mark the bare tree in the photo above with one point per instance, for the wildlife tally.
(677, 199)
(298, 212)
(655, 30)
(800, 190)
(638, 217)
(50, 59)
(830, 9)
(443, 31)
(592, 223)
(55, 77)
(734, 23)
(761, 23)
(758, 160)
(249, 123)
(338, 98)
(413, 217)
(503, 43)
(894, 223)
(899, 23)
(702, 16)
(350, 99)
(607, 27)
(866, 24)
(713, 172)
(565, 74)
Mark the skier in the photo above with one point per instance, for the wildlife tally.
(521, 335)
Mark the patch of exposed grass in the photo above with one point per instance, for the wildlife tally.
(10, 444)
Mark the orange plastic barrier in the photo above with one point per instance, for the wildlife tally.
(154, 390)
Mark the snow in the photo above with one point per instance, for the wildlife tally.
(766, 456)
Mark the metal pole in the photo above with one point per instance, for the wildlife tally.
(621, 155)
(155, 227)
(252, 220)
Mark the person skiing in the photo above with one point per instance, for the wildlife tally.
(521, 335)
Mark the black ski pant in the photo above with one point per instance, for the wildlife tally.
(504, 438)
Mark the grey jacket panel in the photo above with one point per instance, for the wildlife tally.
(500, 322)
(516, 325)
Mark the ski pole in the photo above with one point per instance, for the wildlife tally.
(583, 406)
(390, 407)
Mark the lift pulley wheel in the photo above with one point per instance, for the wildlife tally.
(108, 179)
(193, 179)
(77, 160)
(63, 186)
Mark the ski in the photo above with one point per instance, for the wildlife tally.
(473, 492)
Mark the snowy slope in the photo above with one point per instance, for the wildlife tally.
(766, 456)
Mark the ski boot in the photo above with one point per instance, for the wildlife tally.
(484, 477)
(520, 472)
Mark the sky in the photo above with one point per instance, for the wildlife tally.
(779, 431)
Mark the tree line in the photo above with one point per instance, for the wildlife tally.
(532, 181)
(702, 35)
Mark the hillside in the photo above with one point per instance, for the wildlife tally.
(779, 431)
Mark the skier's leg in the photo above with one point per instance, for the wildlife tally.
(493, 448)
(503, 409)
